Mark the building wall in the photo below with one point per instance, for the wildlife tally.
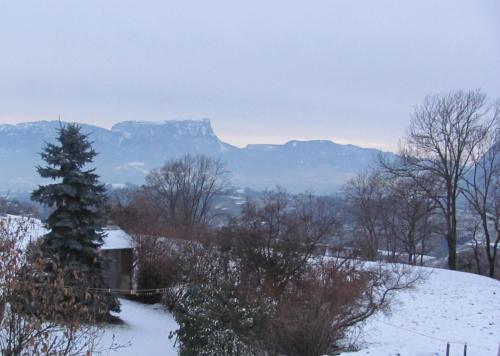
(119, 269)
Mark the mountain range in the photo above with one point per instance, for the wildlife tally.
(130, 149)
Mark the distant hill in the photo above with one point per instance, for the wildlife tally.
(129, 150)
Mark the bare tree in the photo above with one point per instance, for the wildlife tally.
(365, 201)
(134, 211)
(409, 219)
(391, 215)
(275, 242)
(482, 191)
(444, 132)
(184, 189)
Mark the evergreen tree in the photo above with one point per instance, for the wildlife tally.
(75, 225)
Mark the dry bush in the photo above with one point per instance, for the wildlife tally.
(261, 287)
(222, 311)
(157, 261)
(273, 243)
(315, 313)
(34, 309)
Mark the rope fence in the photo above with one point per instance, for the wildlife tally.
(464, 344)
(133, 292)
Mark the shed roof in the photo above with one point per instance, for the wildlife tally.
(117, 239)
(33, 229)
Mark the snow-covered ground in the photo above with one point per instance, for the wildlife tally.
(449, 306)
(145, 331)
(25, 228)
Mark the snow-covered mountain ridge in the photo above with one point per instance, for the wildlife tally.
(130, 149)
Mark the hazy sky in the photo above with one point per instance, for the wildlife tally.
(262, 71)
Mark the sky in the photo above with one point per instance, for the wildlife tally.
(262, 71)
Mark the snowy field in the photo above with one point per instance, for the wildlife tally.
(145, 329)
(448, 306)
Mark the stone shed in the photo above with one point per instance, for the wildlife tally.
(118, 248)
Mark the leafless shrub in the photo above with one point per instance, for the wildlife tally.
(260, 285)
(34, 309)
(274, 243)
(158, 261)
(316, 312)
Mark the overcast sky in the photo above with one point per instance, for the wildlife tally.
(262, 71)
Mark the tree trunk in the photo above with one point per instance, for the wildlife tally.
(452, 229)
(452, 247)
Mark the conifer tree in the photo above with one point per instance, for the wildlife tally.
(75, 225)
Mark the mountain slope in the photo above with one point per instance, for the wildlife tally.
(320, 166)
(130, 149)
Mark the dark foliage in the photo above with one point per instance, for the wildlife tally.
(75, 225)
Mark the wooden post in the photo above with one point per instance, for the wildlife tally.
(448, 349)
(465, 349)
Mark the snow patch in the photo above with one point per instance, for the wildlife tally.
(137, 165)
(146, 329)
(117, 239)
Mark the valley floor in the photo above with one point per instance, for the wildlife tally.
(449, 306)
